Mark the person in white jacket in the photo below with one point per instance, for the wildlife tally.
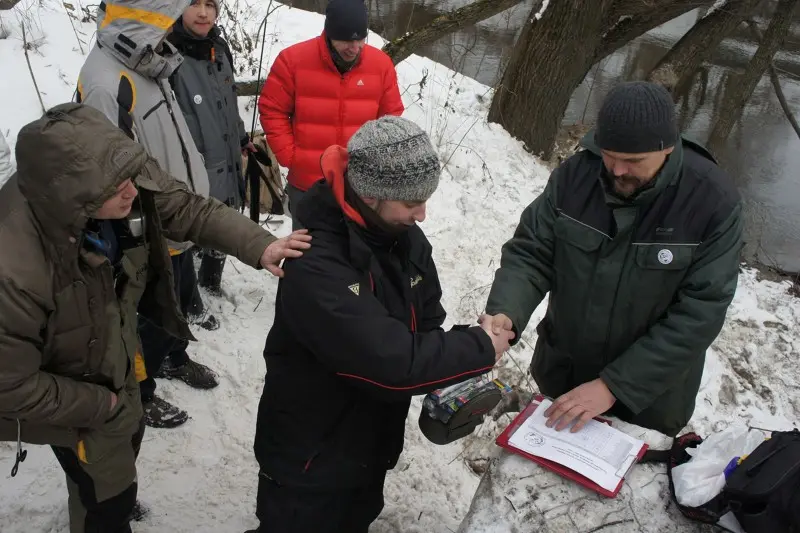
(6, 166)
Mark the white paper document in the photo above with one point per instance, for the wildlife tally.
(598, 451)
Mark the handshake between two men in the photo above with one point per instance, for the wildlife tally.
(579, 405)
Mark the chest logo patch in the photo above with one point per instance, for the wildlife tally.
(355, 288)
(415, 280)
(665, 256)
(198, 99)
(360, 83)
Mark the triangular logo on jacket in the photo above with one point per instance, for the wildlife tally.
(356, 288)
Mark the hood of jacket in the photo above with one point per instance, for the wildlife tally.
(65, 174)
(134, 32)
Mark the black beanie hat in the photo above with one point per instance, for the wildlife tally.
(346, 20)
(635, 118)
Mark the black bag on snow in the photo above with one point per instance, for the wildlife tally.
(763, 491)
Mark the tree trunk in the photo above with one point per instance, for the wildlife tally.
(627, 20)
(551, 58)
(448, 23)
(677, 68)
(776, 83)
(8, 4)
(739, 87)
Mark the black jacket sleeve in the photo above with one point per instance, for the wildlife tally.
(351, 333)
(433, 314)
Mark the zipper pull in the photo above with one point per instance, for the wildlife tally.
(21, 454)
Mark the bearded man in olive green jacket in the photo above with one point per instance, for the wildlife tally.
(82, 229)
(637, 239)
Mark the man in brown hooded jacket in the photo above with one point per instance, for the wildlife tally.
(83, 226)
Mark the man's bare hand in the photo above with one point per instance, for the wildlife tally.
(500, 340)
(286, 247)
(498, 323)
(582, 403)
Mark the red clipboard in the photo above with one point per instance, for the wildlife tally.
(559, 469)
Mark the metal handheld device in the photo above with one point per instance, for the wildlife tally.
(454, 412)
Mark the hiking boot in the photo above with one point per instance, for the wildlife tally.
(159, 413)
(192, 373)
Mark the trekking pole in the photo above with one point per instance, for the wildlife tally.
(253, 170)
(260, 63)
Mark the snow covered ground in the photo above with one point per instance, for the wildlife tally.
(202, 477)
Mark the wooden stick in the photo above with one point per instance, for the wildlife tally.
(30, 69)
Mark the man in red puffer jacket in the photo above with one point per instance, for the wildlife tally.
(320, 91)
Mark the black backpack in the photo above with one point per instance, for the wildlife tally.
(763, 491)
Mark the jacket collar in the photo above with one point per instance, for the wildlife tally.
(327, 58)
(668, 176)
(189, 45)
(327, 208)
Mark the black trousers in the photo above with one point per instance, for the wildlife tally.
(284, 509)
(157, 344)
(98, 502)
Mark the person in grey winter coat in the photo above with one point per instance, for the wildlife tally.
(6, 166)
(206, 91)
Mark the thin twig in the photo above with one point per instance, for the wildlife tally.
(74, 30)
(258, 304)
(511, 503)
(458, 145)
(30, 69)
(618, 522)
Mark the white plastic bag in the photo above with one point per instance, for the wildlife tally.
(702, 478)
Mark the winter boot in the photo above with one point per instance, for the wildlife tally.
(192, 373)
(210, 274)
(160, 413)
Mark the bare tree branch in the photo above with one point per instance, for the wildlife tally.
(402, 47)
(7, 4)
(628, 19)
(739, 87)
(776, 82)
(678, 67)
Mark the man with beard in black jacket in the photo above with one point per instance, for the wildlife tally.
(357, 333)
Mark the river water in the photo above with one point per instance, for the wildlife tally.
(763, 152)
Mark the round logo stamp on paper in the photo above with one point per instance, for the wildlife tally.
(665, 256)
(534, 439)
(198, 99)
